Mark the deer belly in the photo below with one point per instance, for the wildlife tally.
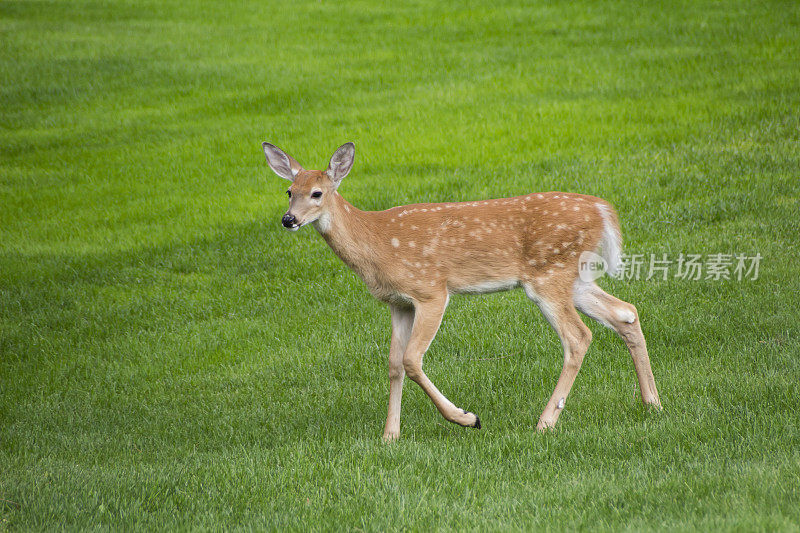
(483, 287)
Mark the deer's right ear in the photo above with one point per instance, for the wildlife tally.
(280, 162)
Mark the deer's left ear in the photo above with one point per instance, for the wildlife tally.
(341, 163)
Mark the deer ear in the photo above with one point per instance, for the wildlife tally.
(341, 163)
(280, 162)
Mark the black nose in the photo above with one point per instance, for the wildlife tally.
(288, 221)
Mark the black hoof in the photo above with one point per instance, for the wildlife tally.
(477, 424)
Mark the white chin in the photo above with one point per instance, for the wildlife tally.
(293, 228)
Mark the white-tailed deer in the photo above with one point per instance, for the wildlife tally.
(413, 257)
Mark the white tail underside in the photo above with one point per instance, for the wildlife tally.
(611, 242)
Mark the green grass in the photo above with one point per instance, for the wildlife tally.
(171, 358)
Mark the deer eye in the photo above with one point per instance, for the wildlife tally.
(289, 194)
(316, 194)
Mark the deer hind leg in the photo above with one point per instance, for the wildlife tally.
(427, 318)
(575, 339)
(622, 318)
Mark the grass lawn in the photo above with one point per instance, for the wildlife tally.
(171, 358)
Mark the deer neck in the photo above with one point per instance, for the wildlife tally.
(349, 232)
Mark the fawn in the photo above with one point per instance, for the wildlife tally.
(413, 257)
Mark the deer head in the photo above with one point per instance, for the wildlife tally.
(311, 191)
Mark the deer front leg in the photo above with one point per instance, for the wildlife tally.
(427, 318)
(402, 321)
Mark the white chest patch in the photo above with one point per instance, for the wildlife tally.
(323, 223)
